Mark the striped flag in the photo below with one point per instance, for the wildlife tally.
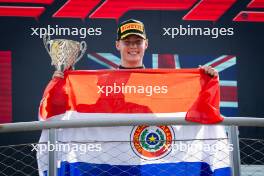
(137, 150)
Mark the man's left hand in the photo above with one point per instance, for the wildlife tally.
(209, 70)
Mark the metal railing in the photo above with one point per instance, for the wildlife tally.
(130, 120)
(21, 160)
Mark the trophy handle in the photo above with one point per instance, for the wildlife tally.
(47, 44)
(46, 41)
(83, 47)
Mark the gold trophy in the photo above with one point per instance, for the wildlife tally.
(64, 53)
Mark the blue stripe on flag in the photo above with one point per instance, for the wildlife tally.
(175, 169)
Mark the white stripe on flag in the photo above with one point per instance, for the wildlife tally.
(177, 61)
(228, 83)
(226, 64)
(155, 61)
(110, 57)
(215, 60)
(98, 61)
(228, 104)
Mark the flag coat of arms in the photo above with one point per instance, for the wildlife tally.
(136, 150)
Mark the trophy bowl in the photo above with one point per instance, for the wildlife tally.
(64, 53)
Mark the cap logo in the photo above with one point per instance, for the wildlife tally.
(130, 26)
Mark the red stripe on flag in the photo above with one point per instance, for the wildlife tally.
(5, 87)
(102, 59)
(228, 93)
(166, 61)
(222, 60)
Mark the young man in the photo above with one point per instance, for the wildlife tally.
(132, 43)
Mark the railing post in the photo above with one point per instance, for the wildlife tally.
(234, 139)
(52, 170)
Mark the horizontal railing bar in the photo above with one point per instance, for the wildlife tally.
(120, 120)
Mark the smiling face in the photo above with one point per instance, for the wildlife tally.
(132, 49)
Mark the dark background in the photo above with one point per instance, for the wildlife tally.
(31, 68)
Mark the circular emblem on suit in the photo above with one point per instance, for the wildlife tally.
(152, 142)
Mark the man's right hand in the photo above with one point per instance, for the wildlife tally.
(58, 74)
